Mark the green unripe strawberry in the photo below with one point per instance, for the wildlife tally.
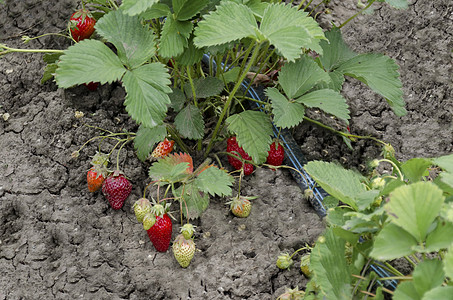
(187, 231)
(148, 221)
(241, 206)
(378, 183)
(183, 250)
(305, 265)
(284, 261)
(141, 207)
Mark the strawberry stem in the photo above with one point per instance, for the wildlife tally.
(118, 154)
(227, 105)
(27, 39)
(347, 135)
(358, 13)
(10, 50)
(147, 186)
(175, 136)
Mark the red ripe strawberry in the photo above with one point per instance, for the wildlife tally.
(276, 154)
(116, 188)
(160, 233)
(233, 147)
(163, 148)
(92, 86)
(95, 178)
(81, 24)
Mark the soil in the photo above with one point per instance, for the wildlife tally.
(58, 241)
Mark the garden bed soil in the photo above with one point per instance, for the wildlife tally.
(58, 241)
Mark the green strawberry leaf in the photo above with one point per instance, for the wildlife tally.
(134, 42)
(49, 72)
(175, 35)
(169, 169)
(287, 113)
(194, 202)
(380, 73)
(448, 265)
(191, 55)
(414, 169)
(257, 7)
(330, 269)
(328, 100)
(156, 11)
(428, 274)
(406, 291)
(253, 131)
(440, 292)
(88, 61)
(289, 30)
(134, 7)
(215, 182)
(187, 9)
(414, 207)
(445, 162)
(445, 182)
(205, 87)
(440, 237)
(51, 57)
(146, 138)
(230, 22)
(147, 99)
(345, 185)
(189, 122)
(177, 98)
(335, 50)
(301, 76)
(393, 242)
(231, 75)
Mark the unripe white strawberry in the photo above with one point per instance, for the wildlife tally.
(141, 207)
(183, 250)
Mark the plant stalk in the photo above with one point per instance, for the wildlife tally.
(9, 50)
(231, 96)
(358, 13)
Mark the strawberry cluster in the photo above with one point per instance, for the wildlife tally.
(115, 186)
(275, 156)
(234, 148)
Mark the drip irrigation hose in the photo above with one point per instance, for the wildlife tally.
(295, 158)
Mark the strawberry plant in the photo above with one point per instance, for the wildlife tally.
(405, 214)
(155, 49)
(185, 64)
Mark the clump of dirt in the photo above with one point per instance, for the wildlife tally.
(58, 241)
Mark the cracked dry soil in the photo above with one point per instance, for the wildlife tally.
(58, 241)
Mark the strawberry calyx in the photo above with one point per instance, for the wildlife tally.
(100, 159)
(187, 231)
(292, 294)
(160, 210)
